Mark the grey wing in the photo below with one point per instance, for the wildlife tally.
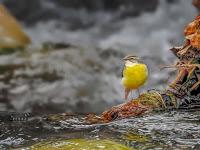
(121, 70)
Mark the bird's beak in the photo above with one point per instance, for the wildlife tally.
(125, 58)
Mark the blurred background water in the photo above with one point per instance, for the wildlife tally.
(83, 72)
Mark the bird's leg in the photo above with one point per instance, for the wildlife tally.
(138, 92)
(132, 94)
(127, 91)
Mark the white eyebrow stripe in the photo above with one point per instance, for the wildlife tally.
(129, 63)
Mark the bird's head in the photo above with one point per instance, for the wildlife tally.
(131, 59)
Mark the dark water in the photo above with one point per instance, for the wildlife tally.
(164, 130)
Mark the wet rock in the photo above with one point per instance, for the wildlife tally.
(55, 46)
(107, 53)
(172, 1)
(47, 108)
(10, 67)
(34, 11)
(196, 147)
(109, 5)
(44, 76)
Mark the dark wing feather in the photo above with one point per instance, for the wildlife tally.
(122, 69)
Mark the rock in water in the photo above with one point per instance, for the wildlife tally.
(11, 33)
(79, 144)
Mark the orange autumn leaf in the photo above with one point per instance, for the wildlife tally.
(192, 32)
(11, 33)
(191, 28)
(195, 40)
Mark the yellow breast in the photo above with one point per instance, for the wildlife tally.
(134, 75)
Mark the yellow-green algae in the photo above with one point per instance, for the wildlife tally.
(78, 144)
(136, 137)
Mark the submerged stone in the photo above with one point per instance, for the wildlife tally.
(79, 144)
(131, 136)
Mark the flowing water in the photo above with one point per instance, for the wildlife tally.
(165, 130)
(83, 71)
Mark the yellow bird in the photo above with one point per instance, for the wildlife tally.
(135, 74)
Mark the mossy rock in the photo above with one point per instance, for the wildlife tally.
(7, 51)
(136, 137)
(79, 144)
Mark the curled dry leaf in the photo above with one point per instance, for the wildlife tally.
(191, 28)
(130, 109)
(192, 32)
(195, 40)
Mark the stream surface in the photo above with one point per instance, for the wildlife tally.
(160, 130)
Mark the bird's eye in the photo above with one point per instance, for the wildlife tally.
(114, 115)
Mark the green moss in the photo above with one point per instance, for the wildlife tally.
(45, 76)
(49, 46)
(136, 137)
(6, 51)
(79, 144)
